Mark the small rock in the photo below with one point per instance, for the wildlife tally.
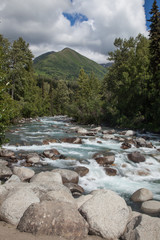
(129, 133)
(33, 158)
(82, 171)
(126, 145)
(142, 195)
(111, 171)
(51, 153)
(136, 157)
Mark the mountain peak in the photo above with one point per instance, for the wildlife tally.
(66, 64)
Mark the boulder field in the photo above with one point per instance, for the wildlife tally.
(44, 204)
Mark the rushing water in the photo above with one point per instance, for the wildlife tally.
(28, 137)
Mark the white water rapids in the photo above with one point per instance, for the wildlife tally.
(28, 137)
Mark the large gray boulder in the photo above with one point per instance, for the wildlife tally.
(47, 177)
(143, 227)
(142, 195)
(23, 173)
(15, 204)
(38, 188)
(54, 218)
(106, 213)
(68, 176)
(59, 195)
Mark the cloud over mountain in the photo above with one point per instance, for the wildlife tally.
(88, 26)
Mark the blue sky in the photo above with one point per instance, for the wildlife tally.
(87, 26)
(148, 6)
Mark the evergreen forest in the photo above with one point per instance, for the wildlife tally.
(128, 96)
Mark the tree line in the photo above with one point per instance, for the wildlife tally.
(128, 96)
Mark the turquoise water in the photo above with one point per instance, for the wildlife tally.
(29, 137)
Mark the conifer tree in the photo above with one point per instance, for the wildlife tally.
(155, 38)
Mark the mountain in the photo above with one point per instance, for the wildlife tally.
(66, 64)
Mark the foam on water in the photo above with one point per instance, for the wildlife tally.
(131, 176)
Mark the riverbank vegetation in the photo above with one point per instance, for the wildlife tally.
(128, 96)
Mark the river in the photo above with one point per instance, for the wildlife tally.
(29, 136)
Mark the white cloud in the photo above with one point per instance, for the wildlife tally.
(42, 24)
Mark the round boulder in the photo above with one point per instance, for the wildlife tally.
(68, 176)
(106, 213)
(54, 218)
(82, 171)
(23, 173)
(15, 204)
(151, 207)
(33, 158)
(47, 177)
(142, 195)
(142, 227)
(136, 157)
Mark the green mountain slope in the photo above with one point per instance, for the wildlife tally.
(66, 64)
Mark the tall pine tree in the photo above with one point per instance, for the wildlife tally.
(154, 85)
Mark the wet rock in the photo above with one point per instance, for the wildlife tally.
(47, 177)
(82, 171)
(33, 158)
(104, 158)
(111, 131)
(145, 172)
(106, 213)
(129, 133)
(110, 171)
(6, 153)
(109, 137)
(97, 129)
(47, 141)
(74, 188)
(52, 153)
(81, 131)
(54, 218)
(15, 204)
(73, 140)
(143, 227)
(151, 207)
(142, 195)
(23, 173)
(136, 157)
(68, 176)
(126, 145)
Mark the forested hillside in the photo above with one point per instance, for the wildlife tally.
(66, 64)
(128, 96)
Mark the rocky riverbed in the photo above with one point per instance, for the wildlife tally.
(66, 180)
